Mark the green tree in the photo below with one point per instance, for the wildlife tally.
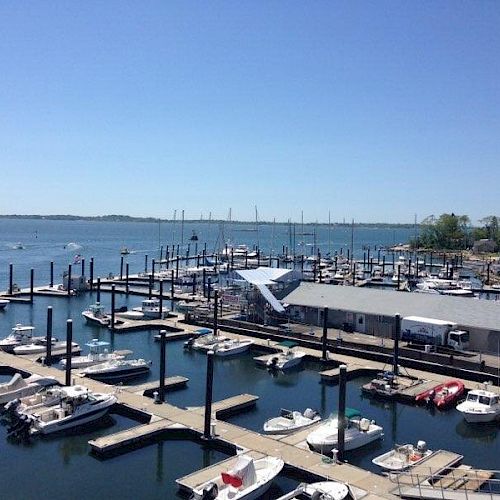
(448, 232)
(489, 230)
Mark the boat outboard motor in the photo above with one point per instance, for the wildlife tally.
(274, 362)
(421, 446)
(189, 343)
(21, 426)
(11, 406)
(210, 492)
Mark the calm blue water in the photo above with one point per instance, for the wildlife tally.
(60, 241)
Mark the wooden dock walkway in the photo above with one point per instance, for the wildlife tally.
(228, 406)
(137, 435)
(147, 389)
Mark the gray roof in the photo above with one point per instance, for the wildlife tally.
(466, 312)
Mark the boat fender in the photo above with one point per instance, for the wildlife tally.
(210, 492)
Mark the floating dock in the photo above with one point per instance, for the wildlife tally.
(147, 389)
(228, 406)
(138, 435)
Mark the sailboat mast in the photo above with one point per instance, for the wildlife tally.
(257, 226)
(352, 240)
(173, 230)
(329, 233)
(182, 230)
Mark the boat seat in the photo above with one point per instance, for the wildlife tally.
(364, 425)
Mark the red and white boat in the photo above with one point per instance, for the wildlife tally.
(444, 394)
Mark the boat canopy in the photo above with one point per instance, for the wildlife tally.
(351, 413)
(203, 331)
(288, 343)
(97, 343)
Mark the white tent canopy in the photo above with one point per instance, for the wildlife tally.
(263, 275)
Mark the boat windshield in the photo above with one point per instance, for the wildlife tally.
(472, 397)
(485, 400)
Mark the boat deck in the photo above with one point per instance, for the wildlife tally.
(194, 480)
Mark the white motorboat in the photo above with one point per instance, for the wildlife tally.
(95, 315)
(129, 314)
(327, 490)
(19, 387)
(98, 354)
(481, 405)
(41, 348)
(21, 335)
(287, 359)
(358, 432)
(117, 369)
(290, 421)
(207, 342)
(3, 303)
(248, 479)
(232, 346)
(76, 405)
(402, 457)
(150, 308)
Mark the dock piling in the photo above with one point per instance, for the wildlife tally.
(161, 299)
(145, 263)
(69, 280)
(216, 303)
(91, 273)
(121, 267)
(172, 290)
(11, 278)
(324, 356)
(208, 394)
(112, 323)
(98, 298)
(209, 288)
(69, 350)
(32, 283)
(51, 274)
(48, 338)
(397, 335)
(161, 394)
(83, 267)
(150, 287)
(342, 420)
(127, 269)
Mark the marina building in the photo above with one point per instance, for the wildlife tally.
(372, 311)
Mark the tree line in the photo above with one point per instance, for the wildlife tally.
(455, 232)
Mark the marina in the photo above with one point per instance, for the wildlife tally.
(240, 407)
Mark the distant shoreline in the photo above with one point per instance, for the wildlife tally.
(128, 218)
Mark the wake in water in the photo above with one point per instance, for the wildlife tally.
(72, 246)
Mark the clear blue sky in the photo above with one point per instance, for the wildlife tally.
(372, 110)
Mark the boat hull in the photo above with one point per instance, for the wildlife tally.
(92, 320)
(480, 418)
(118, 374)
(71, 422)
